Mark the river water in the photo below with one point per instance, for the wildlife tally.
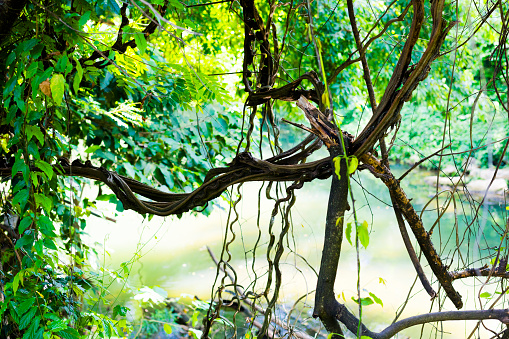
(173, 251)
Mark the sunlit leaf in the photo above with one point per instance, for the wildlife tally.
(376, 299)
(364, 301)
(348, 232)
(57, 85)
(353, 162)
(141, 42)
(167, 328)
(363, 233)
(92, 149)
(485, 295)
(337, 166)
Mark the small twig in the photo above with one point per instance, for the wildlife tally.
(208, 3)
(15, 250)
(301, 126)
(410, 249)
(416, 224)
(362, 53)
(421, 161)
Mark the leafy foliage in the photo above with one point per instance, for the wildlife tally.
(137, 111)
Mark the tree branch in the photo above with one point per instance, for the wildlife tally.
(484, 271)
(326, 306)
(415, 223)
(389, 332)
(243, 168)
(410, 249)
(362, 53)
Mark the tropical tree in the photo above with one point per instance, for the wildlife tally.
(134, 96)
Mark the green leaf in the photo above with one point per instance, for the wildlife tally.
(107, 328)
(19, 165)
(24, 224)
(120, 310)
(362, 231)
(194, 318)
(34, 131)
(62, 64)
(44, 76)
(485, 295)
(376, 299)
(68, 333)
(32, 69)
(25, 240)
(337, 166)
(45, 226)
(45, 167)
(44, 201)
(18, 278)
(31, 332)
(57, 85)
(167, 328)
(57, 325)
(27, 318)
(24, 306)
(33, 149)
(141, 42)
(353, 162)
(21, 198)
(105, 197)
(92, 148)
(129, 169)
(77, 77)
(10, 58)
(348, 232)
(84, 18)
(364, 301)
(76, 83)
(168, 177)
(48, 243)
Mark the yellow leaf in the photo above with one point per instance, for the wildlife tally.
(353, 163)
(338, 220)
(325, 99)
(57, 85)
(167, 328)
(4, 139)
(337, 164)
